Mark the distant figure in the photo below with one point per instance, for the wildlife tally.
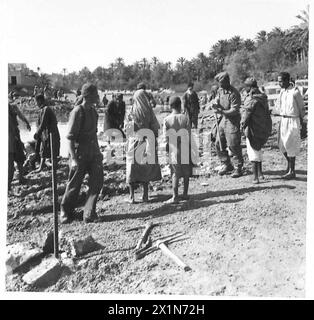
(47, 92)
(16, 146)
(191, 105)
(79, 98)
(105, 100)
(60, 94)
(36, 91)
(120, 112)
(46, 124)
(114, 114)
(149, 95)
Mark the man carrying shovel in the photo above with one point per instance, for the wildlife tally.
(227, 104)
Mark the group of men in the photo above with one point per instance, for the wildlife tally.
(48, 92)
(86, 158)
(254, 121)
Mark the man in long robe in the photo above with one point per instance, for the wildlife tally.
(191, 105)
(291, 109)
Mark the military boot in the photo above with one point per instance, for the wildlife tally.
(237, 172)
(291, 173)
(225, 169)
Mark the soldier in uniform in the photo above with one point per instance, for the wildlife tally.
(84, 155)
(227, 104)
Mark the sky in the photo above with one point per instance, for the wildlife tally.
(71, 34)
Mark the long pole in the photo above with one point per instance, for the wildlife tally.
(218, 133)
(55, 198)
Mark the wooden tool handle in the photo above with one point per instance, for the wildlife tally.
(171, 255)
(144, 236)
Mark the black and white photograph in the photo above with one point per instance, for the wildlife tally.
(157, 149)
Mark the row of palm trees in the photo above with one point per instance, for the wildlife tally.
(293, 49)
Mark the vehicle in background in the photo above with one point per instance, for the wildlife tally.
(272, 90)
(302, 85)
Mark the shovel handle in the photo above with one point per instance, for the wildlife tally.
(171, 255)
(144, 235)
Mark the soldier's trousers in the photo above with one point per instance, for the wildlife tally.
(193, 116)
(94, 168)
(230, 137)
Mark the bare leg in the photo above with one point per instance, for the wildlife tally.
(185, 188)
(175, 188)
(145, 192)
(41, 166)
(288, 162)
(131, 190)
(10, 169)
(291, 172)
(20, 168)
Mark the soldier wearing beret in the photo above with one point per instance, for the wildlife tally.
(227, 104)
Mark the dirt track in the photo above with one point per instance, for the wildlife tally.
(239, 238)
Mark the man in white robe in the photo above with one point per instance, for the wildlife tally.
(291, 107)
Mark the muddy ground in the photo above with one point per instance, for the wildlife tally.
(238, 238)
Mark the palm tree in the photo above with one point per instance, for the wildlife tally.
(261, 37)
(249, 45)
(119, 62)
(155, 61)
(43, 80)
(276, 32)
(235, 44)
(144, 63)
(304, 34)
(304, 17)
(168, 65)
(181, 62)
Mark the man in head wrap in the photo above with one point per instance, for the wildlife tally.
(291, 108)
(84, 155)
(139, 170)
(191, 105)
(257, 125)
(227, 104)
(148, 94)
